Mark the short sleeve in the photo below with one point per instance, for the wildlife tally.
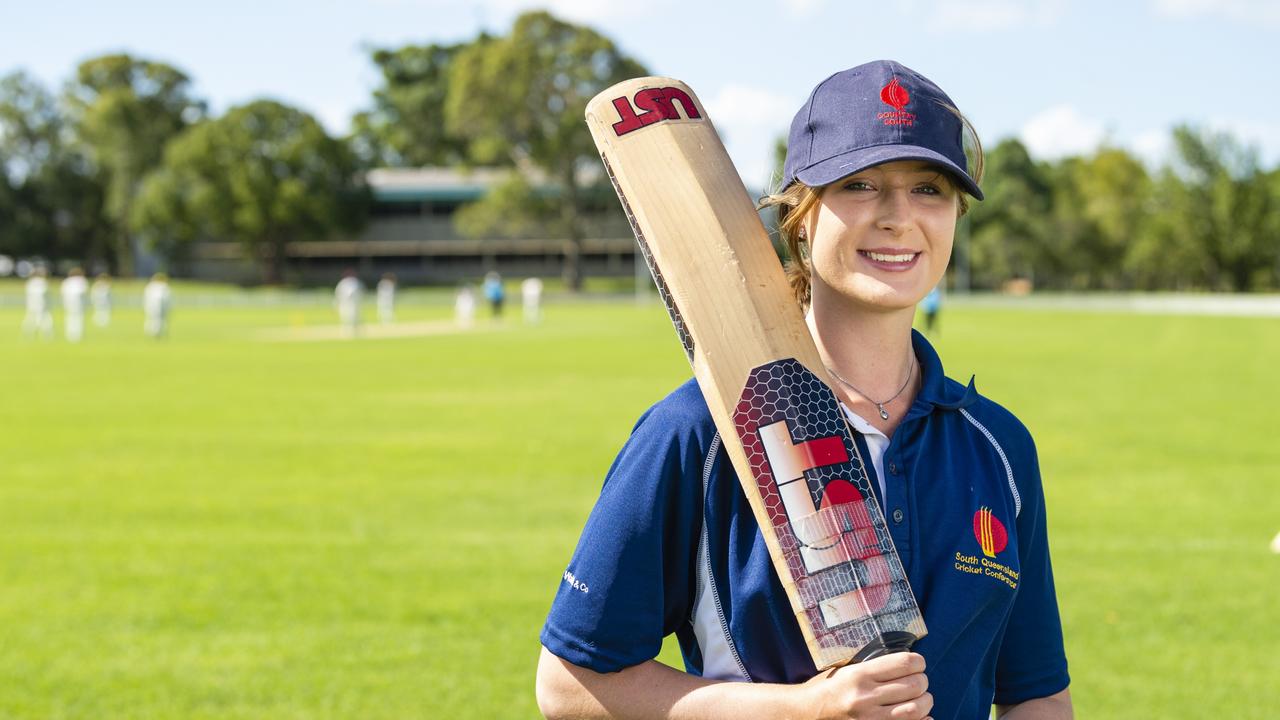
(1031, 662)
(631, 579)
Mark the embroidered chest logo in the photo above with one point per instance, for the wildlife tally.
(993, 539)
(896, 96)
(990, 532)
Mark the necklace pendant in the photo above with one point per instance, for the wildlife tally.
(884, 415)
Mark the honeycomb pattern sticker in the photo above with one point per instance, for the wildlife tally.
(833, 535)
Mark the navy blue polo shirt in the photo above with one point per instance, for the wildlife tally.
(673, 547)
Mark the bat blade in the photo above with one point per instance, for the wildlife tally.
(758, 368)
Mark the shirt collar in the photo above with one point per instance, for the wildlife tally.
(936, 391)
(860, 423)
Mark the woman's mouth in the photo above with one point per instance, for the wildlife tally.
(891, 259)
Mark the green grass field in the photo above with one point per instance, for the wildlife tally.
(221, 527)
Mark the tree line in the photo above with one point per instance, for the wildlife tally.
(127, 156)
(1208, 219)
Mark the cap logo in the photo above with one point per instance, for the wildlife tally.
(896, 97)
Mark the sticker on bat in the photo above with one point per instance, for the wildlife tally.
(817, 495)
(653, 105)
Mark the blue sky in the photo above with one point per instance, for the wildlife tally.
(1063, 76)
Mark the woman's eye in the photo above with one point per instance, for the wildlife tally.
(928, 189)
(857, 185)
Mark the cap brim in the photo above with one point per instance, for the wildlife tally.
(834, 168)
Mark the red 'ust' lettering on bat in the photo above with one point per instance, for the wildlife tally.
(655, 104)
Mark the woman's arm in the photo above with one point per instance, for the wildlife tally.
(1054, 707)
(873, 689)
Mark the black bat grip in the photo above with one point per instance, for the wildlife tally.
(890, 642)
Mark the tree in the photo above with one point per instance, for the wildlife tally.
(1009, 236)
(1114, 197)
(1272, 227)
(1226, 206)
(53, 203)
(519, 100)
(511, 209)
(264, 174)
(1166, 253)
(406, 126)
(9, 236)
(1100, 204)
(26, 128)
(124, 110)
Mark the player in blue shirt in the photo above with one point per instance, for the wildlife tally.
(874, 182)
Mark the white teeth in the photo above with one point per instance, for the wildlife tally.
(881, 257)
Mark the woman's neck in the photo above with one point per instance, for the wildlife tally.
(870, 353)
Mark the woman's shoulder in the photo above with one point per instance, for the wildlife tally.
(673, 438)
(680, 422)
(993, 419)
(683, 410)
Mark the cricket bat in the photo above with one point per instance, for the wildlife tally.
(758, 368)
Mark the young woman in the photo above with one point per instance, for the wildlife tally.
(874, 181)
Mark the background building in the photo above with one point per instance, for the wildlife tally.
(411, 232)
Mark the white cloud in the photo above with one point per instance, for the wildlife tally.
(994, 15)
(1262, 135)
(583, 11)
(1154, 147)
(1251, 12)
(750, 120)
(334, 116)
(591, 10)
(803, 8)
(1061, 131)
(499, 12)
(750, 106)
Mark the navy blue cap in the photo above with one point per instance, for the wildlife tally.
(873, 114)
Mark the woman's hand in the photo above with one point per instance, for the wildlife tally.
(890, 687)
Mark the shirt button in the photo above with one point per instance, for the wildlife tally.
(893, 468)
(897, 516)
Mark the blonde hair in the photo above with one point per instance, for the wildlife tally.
(797, 201)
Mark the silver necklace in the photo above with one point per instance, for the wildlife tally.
(884, 414)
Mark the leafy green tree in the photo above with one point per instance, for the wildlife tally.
(1009, 230)
(512, 209)
(406, 126)
(9, 236)
(1271, 229)
(53, 203)
(1100, 204)
(1166, 254)
(1226, 207)
(1116, 193)
(124, 110)
(264, 174)
(30, 134)
(31, 126)
(519, 100)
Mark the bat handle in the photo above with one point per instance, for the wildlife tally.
(889, 642)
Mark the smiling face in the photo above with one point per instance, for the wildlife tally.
(882, 238)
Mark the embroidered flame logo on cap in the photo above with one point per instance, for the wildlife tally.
(894, 95)
(990, 532)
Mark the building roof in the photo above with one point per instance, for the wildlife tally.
(432, 183)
